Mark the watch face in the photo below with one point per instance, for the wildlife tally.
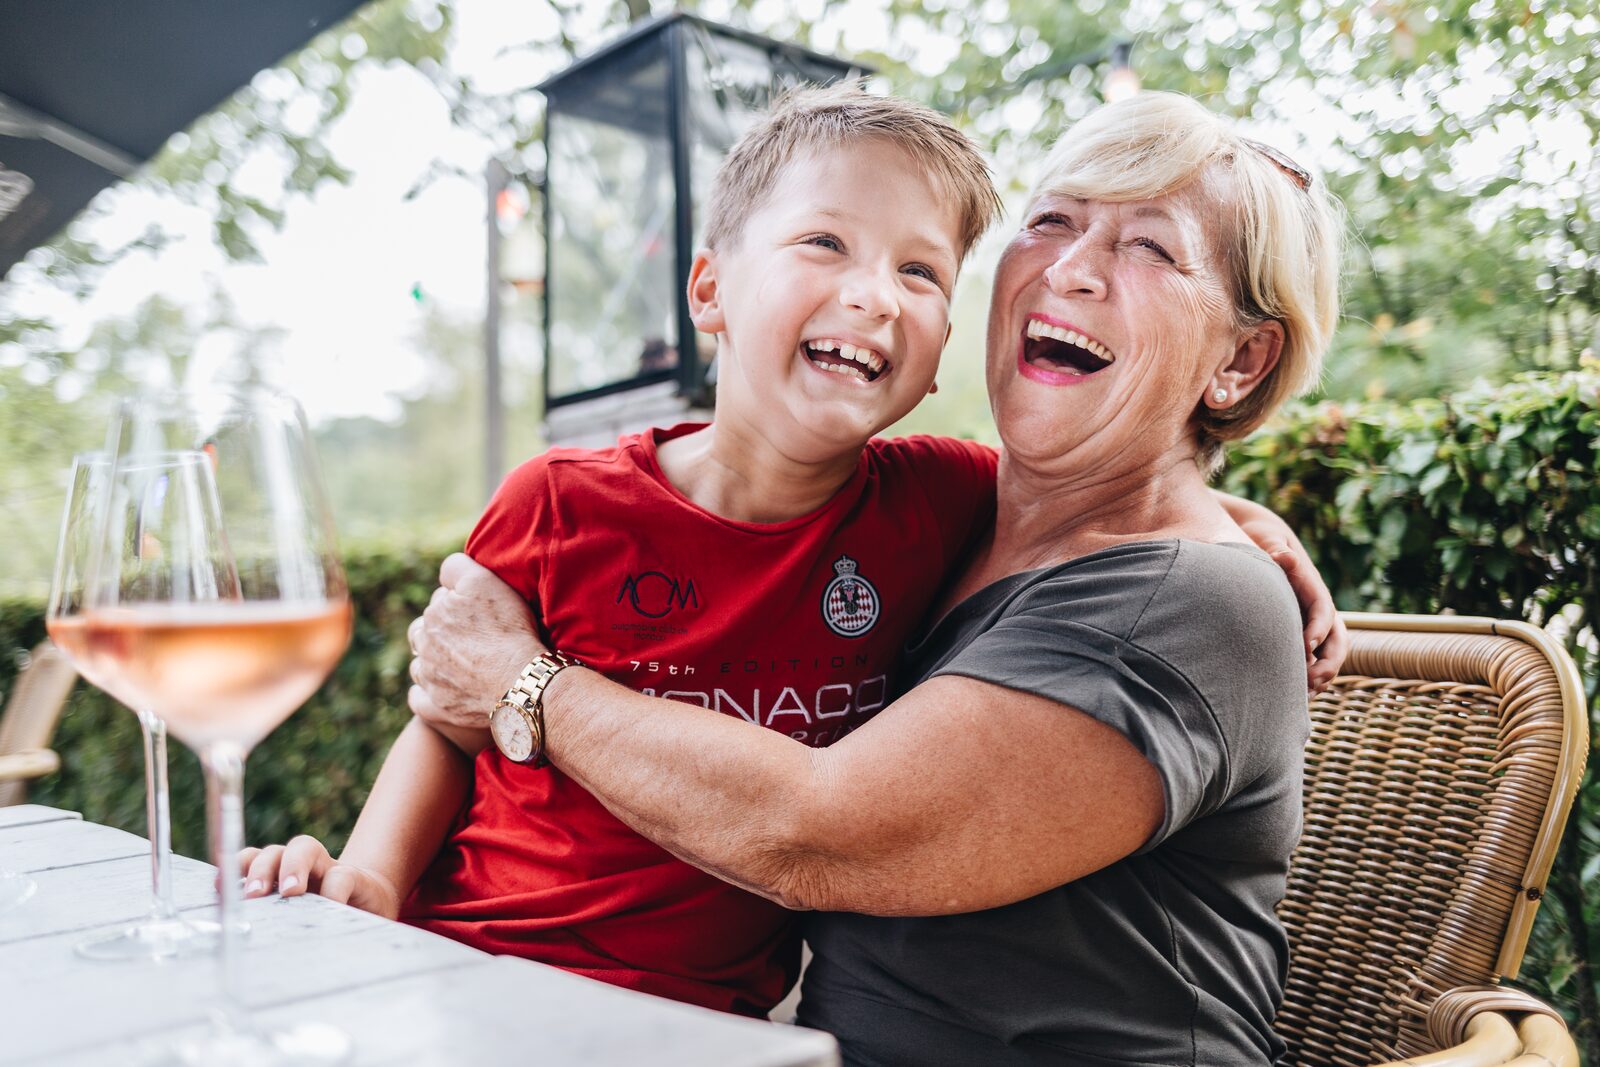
(511, 733)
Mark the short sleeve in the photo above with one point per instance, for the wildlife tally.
(1052, 648)
(957, 478)
(512, 535)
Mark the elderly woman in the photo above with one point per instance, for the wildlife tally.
(1064, 842)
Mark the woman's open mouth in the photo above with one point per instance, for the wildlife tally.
(845, 359)
(1061, 351)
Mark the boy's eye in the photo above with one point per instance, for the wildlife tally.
(922, 270)
(825, 240)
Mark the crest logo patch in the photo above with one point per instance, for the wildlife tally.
(850, 604)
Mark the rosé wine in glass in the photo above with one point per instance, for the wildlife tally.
(224, 672)
(71, 636)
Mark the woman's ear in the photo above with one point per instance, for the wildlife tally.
(705, 295)
(1253, 359)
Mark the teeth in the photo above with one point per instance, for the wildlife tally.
(864, 356)
(1038, 329)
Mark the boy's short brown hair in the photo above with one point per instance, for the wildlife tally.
(811, 118)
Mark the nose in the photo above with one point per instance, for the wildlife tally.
(1079, 271)
(873, 291)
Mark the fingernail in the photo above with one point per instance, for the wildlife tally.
(253, 886)
(288, 884)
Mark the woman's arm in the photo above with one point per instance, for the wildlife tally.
(959, 796)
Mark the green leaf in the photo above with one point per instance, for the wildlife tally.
(1413, 457)
(1434, 479)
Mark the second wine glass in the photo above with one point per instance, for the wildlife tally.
(89, 498)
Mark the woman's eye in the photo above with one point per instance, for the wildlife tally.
(825, 240)
(1145, 242)
(1049, 218)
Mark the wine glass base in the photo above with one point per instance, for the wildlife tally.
(302, 1043)
(15, 889)
(154, 939)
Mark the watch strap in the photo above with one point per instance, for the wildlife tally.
(527, 693)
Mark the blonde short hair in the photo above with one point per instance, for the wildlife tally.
(1284, 253)
(810, 119)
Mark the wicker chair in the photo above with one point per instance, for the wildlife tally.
(1439, 775)
(29, 721)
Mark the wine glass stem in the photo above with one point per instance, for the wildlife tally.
(158, 810)
(224, 767)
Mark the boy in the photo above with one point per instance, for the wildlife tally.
(770, 565)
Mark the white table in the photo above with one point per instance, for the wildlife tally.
(403, 995)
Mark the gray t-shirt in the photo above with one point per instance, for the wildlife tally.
(1172, 955)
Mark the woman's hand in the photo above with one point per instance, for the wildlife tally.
(469, 646)
(1327, 639)
(304, 865)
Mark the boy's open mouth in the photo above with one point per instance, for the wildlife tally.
(1062, 350)
(840, 357)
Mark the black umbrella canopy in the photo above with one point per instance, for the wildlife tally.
(91, 89)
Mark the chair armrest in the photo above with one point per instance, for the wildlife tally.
(1487, 1026)
(30, 763)
(1546, 1043)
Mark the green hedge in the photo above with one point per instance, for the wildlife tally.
(1485, 503)
(310, 776)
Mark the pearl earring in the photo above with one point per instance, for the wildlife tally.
(1220, 396)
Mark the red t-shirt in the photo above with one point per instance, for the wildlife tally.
(793, 626)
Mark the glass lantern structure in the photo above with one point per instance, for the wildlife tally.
(633, 136)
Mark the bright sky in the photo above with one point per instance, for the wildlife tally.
(337, 279)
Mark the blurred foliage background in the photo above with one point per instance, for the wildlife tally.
(1461, 135)
(1449, 462)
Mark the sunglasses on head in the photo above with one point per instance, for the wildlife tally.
(1297, 174)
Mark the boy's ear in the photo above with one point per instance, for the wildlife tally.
(933, 387)
(705, 294)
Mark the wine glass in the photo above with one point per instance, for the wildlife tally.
(163, 933)
(223, 625)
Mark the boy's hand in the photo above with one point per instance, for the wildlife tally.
(1326, 639)
(469, 646)
(304, 865)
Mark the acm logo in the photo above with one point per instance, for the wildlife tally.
(653, 594)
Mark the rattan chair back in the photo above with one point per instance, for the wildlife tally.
(32, 710)
(1439, 774)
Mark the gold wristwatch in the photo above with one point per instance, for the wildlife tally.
(517, 722)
